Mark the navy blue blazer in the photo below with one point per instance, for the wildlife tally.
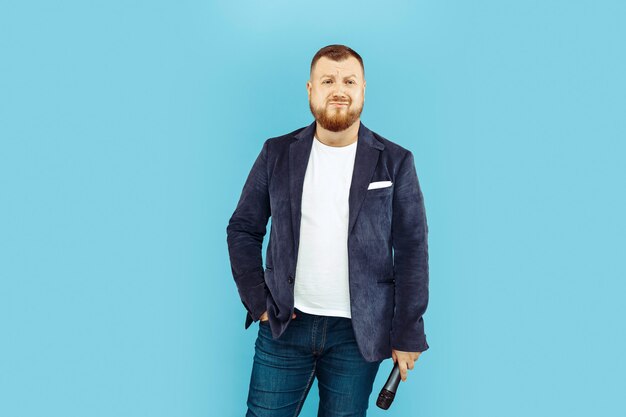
(387, 241)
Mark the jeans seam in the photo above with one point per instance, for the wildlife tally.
(323, 336)
(313, 337)
(306, 390)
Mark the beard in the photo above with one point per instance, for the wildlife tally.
(336, 119)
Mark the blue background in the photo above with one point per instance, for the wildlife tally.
(127, 131)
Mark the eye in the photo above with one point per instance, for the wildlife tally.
(351, 82)
(326, 81)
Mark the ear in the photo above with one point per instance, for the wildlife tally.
(308, 88)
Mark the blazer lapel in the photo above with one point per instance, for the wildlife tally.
(299, 152)
(367, 154)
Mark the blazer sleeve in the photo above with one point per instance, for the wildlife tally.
(245, 232)
(410, 245)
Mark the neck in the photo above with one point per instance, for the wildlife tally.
(343, 138)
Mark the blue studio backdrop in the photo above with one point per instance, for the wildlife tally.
(127, 130)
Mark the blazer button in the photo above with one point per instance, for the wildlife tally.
(290, 279)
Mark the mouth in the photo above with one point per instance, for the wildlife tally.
(338, 104)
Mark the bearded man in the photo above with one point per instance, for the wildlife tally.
(345, 282)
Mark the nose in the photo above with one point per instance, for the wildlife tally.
(339, 92)
(338, 96)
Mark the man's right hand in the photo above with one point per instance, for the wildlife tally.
(265, 317)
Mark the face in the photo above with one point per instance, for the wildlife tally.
(336, 93)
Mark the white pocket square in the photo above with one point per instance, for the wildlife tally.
(379, 184)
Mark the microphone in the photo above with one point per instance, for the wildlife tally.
(388, 393)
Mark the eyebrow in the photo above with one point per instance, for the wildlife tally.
(332, 76)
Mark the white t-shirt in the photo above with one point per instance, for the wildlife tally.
(321, 282)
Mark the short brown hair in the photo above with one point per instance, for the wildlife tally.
(337, 53)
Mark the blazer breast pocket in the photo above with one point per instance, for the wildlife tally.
(379, 188)
(377, 185)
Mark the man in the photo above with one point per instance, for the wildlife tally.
(346, 278)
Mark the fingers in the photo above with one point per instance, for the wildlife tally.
(265, 316)
(405, 361)
(403, 370)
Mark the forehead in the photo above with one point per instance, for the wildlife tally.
(326, 66)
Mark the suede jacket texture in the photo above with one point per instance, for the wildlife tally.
(387, 241)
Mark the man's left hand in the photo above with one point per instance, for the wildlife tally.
(405, 360)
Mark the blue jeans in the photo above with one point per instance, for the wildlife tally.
(311, 347)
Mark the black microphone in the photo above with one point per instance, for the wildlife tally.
(388, 393)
